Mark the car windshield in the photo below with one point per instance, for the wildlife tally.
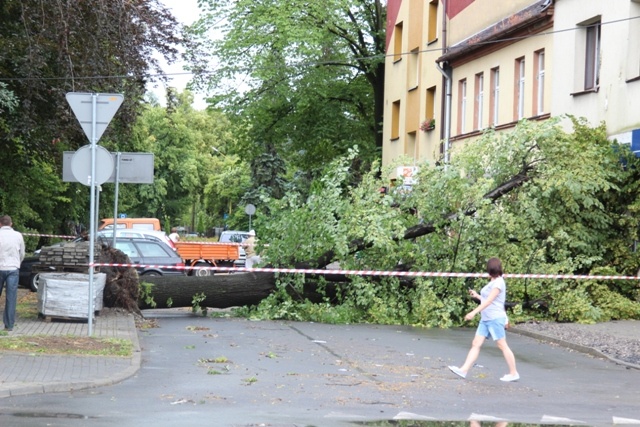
(234, 236)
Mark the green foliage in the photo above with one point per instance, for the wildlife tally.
(542, 199)
(573, 304)
(40, 63)
(312, 78)
(195, 303)
(146, 294)
(193, 185)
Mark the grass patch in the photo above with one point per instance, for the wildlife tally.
(69, 345)
(26, 305)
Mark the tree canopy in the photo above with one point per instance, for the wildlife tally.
(48, 49)
(307, 76)
(195, 182)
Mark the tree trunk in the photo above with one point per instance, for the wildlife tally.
(220, 290)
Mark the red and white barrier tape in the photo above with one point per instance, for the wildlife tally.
(189, 242)
(49, 235)
(372, 272)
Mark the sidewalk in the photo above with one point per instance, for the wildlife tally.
(29, 373)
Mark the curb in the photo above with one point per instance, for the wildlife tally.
(572, 346)
(120, 368)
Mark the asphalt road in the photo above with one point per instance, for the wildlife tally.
(234, 372)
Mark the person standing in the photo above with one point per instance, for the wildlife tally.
(11, 256)
(492, 322)
(174, 236)
(250, 250)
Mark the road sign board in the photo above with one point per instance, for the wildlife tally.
(106, 106)
(81, 165)
(135, 168)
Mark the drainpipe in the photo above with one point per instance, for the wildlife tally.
(447, 80)
(447, 75)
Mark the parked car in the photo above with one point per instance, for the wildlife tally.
(106, 236)
(157, 257)
(236, 236)
(159, 236)
(151, 250)
(29, 278)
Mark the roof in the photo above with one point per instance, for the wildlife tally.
(533, 18)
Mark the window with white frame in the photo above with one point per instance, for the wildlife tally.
(462, 105)
(519, 98)
(538, 106)
(592, 57)
(478, 102)
(494, 100)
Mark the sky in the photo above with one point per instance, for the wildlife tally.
(186, 12)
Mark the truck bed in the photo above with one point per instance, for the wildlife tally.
(208, 251)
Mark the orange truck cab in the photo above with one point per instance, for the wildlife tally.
(135, 223)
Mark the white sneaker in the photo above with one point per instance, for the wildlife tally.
(457, 371)
(510, 378)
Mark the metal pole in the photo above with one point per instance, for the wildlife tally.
(115, 203)
(92, 206)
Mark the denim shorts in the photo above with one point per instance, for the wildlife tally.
(492, 328)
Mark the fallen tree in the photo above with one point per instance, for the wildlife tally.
(249, 288)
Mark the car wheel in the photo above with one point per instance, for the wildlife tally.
(151, 274)
(33, 282)
(202, 272)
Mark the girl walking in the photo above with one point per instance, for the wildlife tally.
(492, 322)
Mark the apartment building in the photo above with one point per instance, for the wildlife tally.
(475, 64)
(597, 65)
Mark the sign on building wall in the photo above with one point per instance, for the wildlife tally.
(408, 174)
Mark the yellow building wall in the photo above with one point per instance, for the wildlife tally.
(504, 60)
(410, 78)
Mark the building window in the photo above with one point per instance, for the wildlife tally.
(633, 49)
(432, 31)
(413, 70)
(411, 148)
(592, 57)
(519, 98)
(462, 105)
(397, 42)
(430, 107)
(478, 102)
(538, 100)
(395, 120)
(494, 100)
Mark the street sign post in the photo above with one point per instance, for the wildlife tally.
(94, 111)
(250, 210)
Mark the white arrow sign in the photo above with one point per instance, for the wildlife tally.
(106, 106)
